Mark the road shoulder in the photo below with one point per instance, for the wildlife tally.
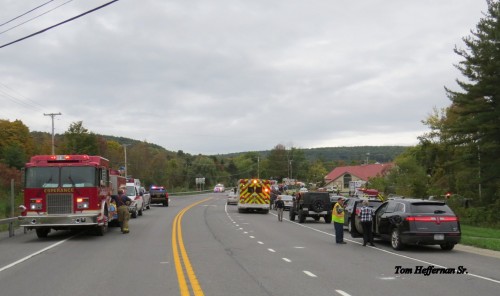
(484, 252)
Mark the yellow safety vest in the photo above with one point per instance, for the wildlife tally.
(336, 216)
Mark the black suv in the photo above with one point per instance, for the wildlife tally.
(159, 195)
(416, 222)
(311, 204)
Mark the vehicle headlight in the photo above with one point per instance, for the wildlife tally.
(35, 204)
(82, 203)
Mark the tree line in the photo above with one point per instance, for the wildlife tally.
(176, 171)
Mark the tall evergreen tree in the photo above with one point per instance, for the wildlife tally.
(473, 119)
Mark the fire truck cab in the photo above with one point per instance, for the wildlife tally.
(254, 194)
(63, 192)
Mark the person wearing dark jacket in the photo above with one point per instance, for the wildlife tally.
(280, 206)
(122, 202)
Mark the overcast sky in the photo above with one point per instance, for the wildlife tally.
(222, 76)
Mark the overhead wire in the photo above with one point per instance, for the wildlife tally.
(39, 6)
(35, 17)
(58, 24)
(23, 101)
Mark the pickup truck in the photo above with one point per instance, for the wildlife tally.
(146, 196)
(159, 195)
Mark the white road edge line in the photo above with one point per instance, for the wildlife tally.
(287, 260)
(271, 250)
(36, 253)
(342, 293)
(309, 273)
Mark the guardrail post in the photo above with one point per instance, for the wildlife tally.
(11, 229)
(11, 224)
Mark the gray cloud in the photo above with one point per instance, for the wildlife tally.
(229, 76)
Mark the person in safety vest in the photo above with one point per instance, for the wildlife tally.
(338, 220)
(122, 202)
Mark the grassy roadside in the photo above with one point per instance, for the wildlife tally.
(486, 238)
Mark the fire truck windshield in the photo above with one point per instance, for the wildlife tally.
(52, 177)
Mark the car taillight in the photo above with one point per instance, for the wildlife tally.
(82, 203)
(35, 204)
(431, 219)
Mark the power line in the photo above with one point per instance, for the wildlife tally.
(61, 23)
(26, 13)
(23, 101)
(35, 17)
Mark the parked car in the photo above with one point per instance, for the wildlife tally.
(351, 212)
(417, 222)
(288, 200)
(159, 195)
(232, 198)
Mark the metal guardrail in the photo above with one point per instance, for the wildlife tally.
(9, 221)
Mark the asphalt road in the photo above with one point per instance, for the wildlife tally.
(200, 246)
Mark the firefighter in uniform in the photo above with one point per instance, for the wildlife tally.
(338, 220)
(122, 202)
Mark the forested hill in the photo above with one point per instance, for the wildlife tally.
(380, 154)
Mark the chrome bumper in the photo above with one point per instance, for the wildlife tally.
(72, 220)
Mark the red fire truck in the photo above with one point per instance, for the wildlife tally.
(64, 192)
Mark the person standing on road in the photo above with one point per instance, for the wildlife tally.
(273, 199)
(280, 206)
(122, 202)
(338, 220)
(366, 218)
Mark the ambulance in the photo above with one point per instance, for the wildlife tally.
(254, 195)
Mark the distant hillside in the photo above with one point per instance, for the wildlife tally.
(380, 154)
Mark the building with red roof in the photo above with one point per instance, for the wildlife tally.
(340, 177)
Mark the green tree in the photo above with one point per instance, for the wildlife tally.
(16, 144)
(317, 173)
(473, 119)
(78, 140)
(408, 177)
(277, 164)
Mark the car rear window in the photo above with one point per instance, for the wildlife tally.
(428, 208)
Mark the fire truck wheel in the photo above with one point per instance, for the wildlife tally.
(100, 230)
(42, 232)
(140, 212)
(134, 214)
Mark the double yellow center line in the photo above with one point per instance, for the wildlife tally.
(178, 247)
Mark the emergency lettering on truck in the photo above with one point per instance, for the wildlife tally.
(64, 192)
(254, 194)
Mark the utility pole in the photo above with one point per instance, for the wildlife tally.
(125, 152)
(258, 167)
(53, 115)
